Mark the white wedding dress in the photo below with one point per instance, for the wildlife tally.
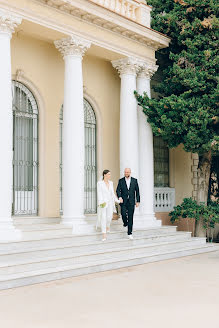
(105, 195)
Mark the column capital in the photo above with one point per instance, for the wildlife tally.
(128, 65)
(72, 46)
(147, 70)
(8, 22)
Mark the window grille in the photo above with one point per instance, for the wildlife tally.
(25, 151)
(161, 163)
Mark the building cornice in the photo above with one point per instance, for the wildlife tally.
(52, 23)
(112, 21)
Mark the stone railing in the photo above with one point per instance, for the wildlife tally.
(135, 10)
(164, 199)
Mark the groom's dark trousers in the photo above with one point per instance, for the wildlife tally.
(130, 197)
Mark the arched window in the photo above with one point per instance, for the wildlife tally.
(25, 150)
(161, 163)
(90, 167)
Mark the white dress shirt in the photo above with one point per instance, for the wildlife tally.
(128, 181)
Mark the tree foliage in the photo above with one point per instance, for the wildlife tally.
(187, 110)
(189, 209)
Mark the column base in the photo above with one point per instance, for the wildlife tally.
(8, 232)
(70, 220)
(142, 221)
(80, 225)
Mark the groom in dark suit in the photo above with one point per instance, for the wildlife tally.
(129, 196)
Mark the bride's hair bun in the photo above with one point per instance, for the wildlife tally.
(105, 172)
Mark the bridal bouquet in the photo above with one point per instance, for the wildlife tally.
(102, 205)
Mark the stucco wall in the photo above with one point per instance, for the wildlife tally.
(181, 173)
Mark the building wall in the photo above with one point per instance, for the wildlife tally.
(43, 65)
(181, 173)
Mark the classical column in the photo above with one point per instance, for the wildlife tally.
(8, 23)
(128, 68)
(73, 49)
(146, 156)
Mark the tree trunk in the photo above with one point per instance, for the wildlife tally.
(204, 169)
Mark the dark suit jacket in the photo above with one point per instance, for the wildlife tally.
(132, 194)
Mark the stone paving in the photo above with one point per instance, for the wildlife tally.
(176, 293)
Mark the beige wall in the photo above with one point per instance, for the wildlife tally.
(43, 65)
(181, 173)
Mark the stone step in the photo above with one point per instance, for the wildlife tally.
(72, 248)
(45, 275)
(40, 227)
(43, 242)
(36, 231)
(120, 253)
(27, 220)
(44, 230)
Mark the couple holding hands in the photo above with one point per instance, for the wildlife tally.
(128, 197)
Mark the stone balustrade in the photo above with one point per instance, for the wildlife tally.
(135, 10)
(164, 199)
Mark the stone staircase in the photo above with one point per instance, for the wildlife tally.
(49, 251)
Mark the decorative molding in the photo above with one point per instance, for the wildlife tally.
(147, 70)
(8, 22)
(19, 75)
(109, 20)
(131, 65)
(127, 65)
(51, 23)
(72, 46)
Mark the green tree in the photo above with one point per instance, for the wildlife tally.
(186, 111)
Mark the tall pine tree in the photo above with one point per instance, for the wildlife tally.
(187, 110)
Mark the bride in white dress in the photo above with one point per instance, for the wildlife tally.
(106, 199)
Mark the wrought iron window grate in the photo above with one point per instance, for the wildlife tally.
(161, 163)
(25, 151)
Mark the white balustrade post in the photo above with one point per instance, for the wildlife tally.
(122, 11)
(128, 68)
(117, 9)
(8, 22)
(146, 154)
(73, 49)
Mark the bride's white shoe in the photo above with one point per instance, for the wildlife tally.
(104, 239)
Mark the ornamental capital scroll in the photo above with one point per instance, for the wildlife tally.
(128, 65)
(8, 22)
(72, 46)
(147, 70)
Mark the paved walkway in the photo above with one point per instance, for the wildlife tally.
(179, 293)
